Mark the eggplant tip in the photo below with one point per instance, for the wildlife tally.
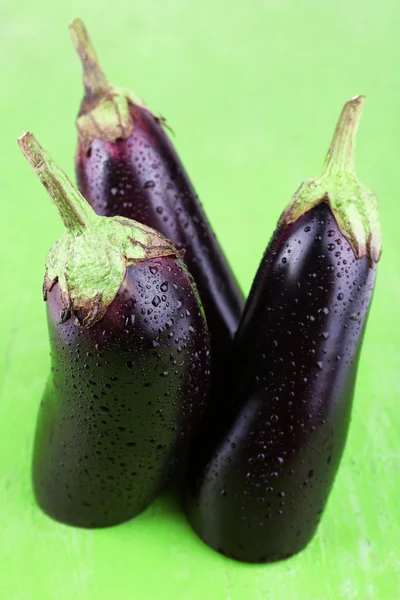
(24, 139)
(356, 103)
(76, 22)
(358, 98)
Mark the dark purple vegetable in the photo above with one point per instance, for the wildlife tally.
(130, 362)
(257, 493)
(127, 166)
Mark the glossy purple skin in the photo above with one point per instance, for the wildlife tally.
(123, 400)
(258, 493)
(143, 179)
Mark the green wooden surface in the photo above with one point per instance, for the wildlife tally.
(252, 90)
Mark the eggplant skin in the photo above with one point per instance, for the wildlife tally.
(124, 398)
(258, 493)
(142, 178)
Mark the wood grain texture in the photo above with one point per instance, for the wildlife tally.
(252, 91)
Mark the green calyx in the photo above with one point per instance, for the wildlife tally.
(104, 112)
(353, 205)
(89, 261)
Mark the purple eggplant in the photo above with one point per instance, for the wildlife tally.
(130, 362)
(127, 166)
(257, 493)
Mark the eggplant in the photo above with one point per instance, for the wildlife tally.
(258, 491)
(126, 165)
(130, 362)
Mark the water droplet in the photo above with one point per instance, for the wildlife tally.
(149, 184)
(331, 247)
(159, 209)
(156, 301)
(164, 286)
(113, 191)
(340, 296)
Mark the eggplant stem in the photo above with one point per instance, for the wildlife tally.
(353, 205)
(74, 211)
(95, 82)
(341, 154)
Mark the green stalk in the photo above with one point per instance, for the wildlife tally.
(75, 212)
(95, 82)
(341, 154)
(353, 205)
(105, 110)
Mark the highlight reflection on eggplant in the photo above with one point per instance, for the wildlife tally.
(130, 362)
(126, 165)
(258, 493)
